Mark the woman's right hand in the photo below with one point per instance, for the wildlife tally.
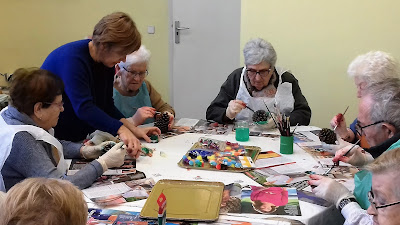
(132, 143)
(234, 107)
(142, 114)
(340, 122)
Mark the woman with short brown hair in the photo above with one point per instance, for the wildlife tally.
(87, 69)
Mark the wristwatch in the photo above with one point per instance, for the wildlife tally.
(344, 202)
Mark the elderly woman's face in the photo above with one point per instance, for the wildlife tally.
(361, 85)
(133, 76)
(384, 192)
(49, 116)
(259, 74)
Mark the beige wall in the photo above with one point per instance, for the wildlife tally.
(317, 40)
(31, 29)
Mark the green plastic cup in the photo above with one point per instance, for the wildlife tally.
(242, 130)
(286, 145)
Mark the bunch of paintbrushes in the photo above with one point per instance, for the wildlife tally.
(282, 122)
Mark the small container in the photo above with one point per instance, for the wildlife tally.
(286, 146)
(242, 130)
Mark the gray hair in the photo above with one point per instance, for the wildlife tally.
(388, 162)
(139, 56)
(373, 67)
(258, 50)
(386, 101)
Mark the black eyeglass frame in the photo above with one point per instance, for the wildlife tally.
(258, 72)
(371, 200)
(359, 129)
(134, 73)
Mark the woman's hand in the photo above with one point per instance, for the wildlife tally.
(329, 189)
(142, 114)
(132, 143)
(339, 122)
(356, 157)
(171, 120)
(145, 132)
(234, 107)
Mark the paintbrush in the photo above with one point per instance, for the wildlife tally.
(341, 118)
(244, 104)
(337, 163)
(295, 128)
(276, 124)
(157, 112)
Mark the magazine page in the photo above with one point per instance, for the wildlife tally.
(270, 200)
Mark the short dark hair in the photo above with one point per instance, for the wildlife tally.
(32, 85)
(117, 31)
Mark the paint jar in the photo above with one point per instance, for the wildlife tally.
(242, 130)
(286, 146)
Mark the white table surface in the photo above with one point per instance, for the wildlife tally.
(164, 166)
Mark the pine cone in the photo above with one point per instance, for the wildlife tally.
(162, 121)
(260, 116)
(327, 135)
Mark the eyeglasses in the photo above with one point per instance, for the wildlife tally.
(373, 204)
(360, 128)
(263, 73)
(134, 73)
(59, 104)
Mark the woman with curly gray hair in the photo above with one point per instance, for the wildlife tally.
(257, 82)
(366, 70)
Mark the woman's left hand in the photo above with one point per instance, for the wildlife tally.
(171, 120)
(145, 132)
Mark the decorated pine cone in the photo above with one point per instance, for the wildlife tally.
(327, 135)
(260, 115)
(162, 121)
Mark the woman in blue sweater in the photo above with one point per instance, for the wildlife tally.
(87, 69)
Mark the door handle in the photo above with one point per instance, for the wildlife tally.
(182, 28)
(177, 29)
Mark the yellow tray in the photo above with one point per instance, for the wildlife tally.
(252, 151)
(186, 200)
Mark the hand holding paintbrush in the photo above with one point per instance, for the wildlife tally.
(235, 106)
(339, 118)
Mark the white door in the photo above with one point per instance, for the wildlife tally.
(206, 54)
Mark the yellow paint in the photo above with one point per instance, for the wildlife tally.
(317, 40)
(30, 30)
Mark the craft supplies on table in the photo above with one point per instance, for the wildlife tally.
(211, 154)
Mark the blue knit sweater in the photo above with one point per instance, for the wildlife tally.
(88, 101)
(32, 158)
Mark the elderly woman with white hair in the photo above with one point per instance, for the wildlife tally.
(384, 195)
(366, 70)
(133, 95)
(259, 82)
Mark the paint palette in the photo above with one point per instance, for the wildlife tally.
(211, 154)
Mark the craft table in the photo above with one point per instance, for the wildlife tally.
(168, 152)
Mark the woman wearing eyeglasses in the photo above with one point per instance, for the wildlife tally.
(383, 195)
(87, 69)
(28, 147)
(258, 82)
(133, 95)
(366, 70)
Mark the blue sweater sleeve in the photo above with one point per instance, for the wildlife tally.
(72, 150)
(353, 126)
(76, 77)
(29, 158)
